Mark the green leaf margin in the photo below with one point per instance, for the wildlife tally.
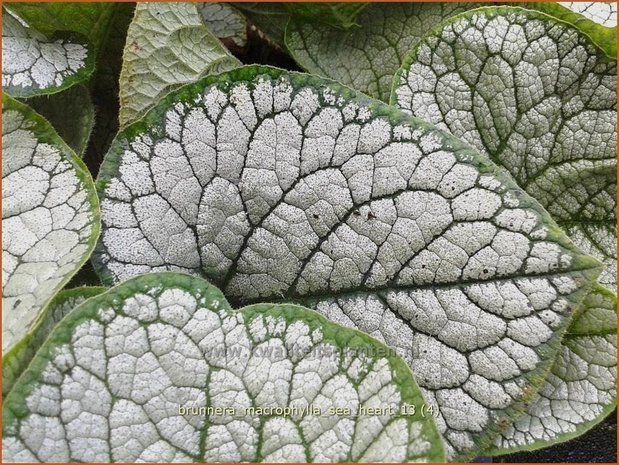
(16, 360)
(45, 133)
(15, 404)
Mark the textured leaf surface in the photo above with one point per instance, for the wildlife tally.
(366, 57)
(338, 14)
(598, 20)
(167, 45)
(538, 98)
(50, 217)
(34, 65)
(226, 22)
(604, 13)
(110, 382)
(89, 19)
(71, 113)
(269, 19)
(581, 388)
(277, 185)
(15, 361)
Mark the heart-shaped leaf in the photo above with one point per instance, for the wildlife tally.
(50, 217)
(536, 96)
(160, 368)
(34, 65)
(280, 185)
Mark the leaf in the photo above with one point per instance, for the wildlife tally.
(596, 19)
(269, 20)
(89, 19)
(226, 23)
(604, 13)
(283, 186)
(537, 97)
(33, 65)
(50, 217)
(582, 386)
(167, 45)
(366, 57)
(71, 114)
(338, 14)
(112, 381)
(15, 361)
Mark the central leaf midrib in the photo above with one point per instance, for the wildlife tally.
(330, 294)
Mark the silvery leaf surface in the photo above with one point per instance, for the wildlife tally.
(15, 361)
(33, 65)
(581, 388)
(537, 97)
(596, 19)
(283, 186)
(50, 217)
(603, 13)
(119, 377)
(543, 105)
(90, 19)
(367, 56)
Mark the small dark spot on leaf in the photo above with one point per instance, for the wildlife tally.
(315, 215)
(356, 213)
(371, 216)
(485, 270)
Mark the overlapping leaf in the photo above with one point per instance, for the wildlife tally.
(603, 13)
(32, 64)
(581, 387)
(341, 15)
(268, 19)
(596, 19)
(112, 382)
(91, 19)
(367, 57)
(50, 217)
(15, 361)
(226, 23)
(537, 97)
(167, 45)
(71, 113)
(284, 186)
